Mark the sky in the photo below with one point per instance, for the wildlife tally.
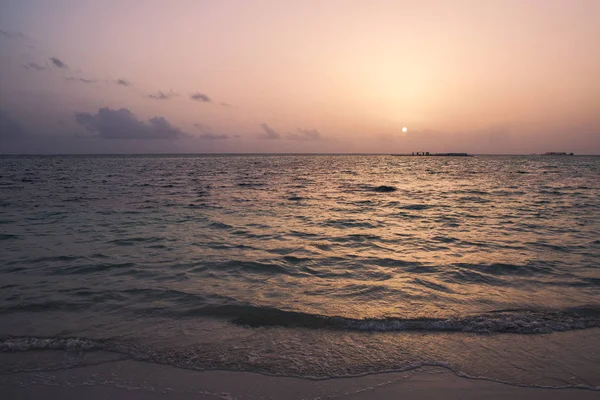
(314, 76)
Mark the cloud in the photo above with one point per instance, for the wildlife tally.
(34, 66)
(58, 63)
(302, 135)
(212, 136)
(207, 133)
(305, 135)
(123, 124)
(202, 127)
(12, 35)
(9, 126)
(82, 80)
(162, 95)
(200, 97)
(226, 104)
(270, 133)
(123, 82)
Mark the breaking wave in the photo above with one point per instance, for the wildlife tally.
(502, 321)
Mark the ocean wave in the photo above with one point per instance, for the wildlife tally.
(495, 322)
(134, 240)
(502, 321)
(501, 269)
(90, 268)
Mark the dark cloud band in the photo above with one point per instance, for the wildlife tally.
(58, 63)
(123, 124)
(200, 97)
(270, 133)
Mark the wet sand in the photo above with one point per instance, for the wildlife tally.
(129, 379)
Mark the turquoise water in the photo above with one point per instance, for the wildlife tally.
(305, 265)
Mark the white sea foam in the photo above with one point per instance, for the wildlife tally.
(34, 343)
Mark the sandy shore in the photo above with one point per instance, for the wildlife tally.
(129, 379)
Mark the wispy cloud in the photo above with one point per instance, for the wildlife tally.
(35, 66)
(212, 136)
(123, 124)
(200, 97)
(304, 135)
(202, 127)
(123, 82)
(160, 95)
(58, 63)
(270, 133)
(82, 80)
(207, 133)
(12, 35)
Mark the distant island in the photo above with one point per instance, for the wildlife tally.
(428, 154)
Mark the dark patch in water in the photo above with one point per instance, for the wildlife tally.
(220, 225)
(415, 207)
(446, 239)
(384, 189)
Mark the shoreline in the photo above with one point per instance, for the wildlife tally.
(129, 379)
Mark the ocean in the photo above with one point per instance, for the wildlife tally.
(314, 266)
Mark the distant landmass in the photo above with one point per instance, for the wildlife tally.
(428, 154)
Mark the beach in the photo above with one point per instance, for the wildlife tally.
(138, 380)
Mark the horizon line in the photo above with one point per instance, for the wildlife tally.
(281, 153)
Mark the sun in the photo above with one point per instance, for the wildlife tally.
(404, 129)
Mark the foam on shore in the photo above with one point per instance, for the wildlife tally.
(138, 380)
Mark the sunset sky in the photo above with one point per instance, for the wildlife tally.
(130, 76)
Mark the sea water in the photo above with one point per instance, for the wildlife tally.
(305, 265)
